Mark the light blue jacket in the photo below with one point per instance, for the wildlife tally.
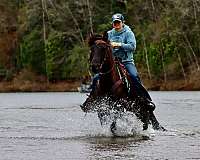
(127, 38)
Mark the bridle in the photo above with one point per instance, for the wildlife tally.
(98, 44)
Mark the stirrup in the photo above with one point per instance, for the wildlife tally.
(151, 106)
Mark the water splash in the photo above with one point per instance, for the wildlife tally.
(126, 123)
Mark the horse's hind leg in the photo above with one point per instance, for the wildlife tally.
(145, 120)
(155, 124)
(141, 113)
(103, 117)
(103, 120)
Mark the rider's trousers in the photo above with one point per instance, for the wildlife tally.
(94, 81)
(139, 88)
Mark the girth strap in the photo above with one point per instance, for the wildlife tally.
(116, 85)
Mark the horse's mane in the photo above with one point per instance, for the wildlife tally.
(97, 38)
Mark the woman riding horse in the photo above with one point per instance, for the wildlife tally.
(120, 82)
(114, 83)
(123, 44)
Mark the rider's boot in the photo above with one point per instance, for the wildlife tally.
(148, 103)
(151, 106)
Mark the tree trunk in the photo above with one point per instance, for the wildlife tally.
(181, 64)
(77, 25)
(90, 16)
(163, 64)
(146, 57)
(195, 57)
(43, 20)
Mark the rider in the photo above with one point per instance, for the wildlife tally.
(123, 44)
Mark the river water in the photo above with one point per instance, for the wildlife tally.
(51, 126)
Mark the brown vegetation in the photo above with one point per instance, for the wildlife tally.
(8, 36)
(179, 83)
(27, 81)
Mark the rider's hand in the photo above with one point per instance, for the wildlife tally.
(116, 44)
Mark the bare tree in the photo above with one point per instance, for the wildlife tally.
(43, 2)
(90, 16)
(190, 46)
(181, 64)
(195, 10)
(146, 57)
(163, 64)
(61, 11)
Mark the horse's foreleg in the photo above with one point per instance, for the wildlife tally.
(113, 127)
(86, 105)
(145, 119)
(101, 118)
(89, 102)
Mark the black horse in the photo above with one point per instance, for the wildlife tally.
(115, 84)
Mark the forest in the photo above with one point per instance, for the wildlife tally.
(43, 43)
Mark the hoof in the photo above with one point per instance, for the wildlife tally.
(84, 108)
(113, 127)
(145, 126)
(159, 127)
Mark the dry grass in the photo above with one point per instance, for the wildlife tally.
(192, 81)
(28, 86)
(28, 81)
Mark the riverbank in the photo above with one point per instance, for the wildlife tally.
(26, 81)
(71, 86)
(173, 85)
(28, 86)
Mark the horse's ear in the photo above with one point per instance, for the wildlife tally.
(90, 39)
(91, 35)
(105, 36)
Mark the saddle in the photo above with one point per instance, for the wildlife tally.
(124, 77)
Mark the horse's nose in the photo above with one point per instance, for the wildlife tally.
(95, 68)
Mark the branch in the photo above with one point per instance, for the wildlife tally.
(74, 19)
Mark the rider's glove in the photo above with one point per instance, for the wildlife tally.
(116, 44)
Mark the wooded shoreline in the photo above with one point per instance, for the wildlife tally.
(43, 44)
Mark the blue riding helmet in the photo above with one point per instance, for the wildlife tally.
(117, 17)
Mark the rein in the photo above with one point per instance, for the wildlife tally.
(118, 66)
(106, 54)
(103, 73)
(108, 65)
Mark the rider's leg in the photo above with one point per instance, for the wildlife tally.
(143, 92)
(140, 90)
(94, 81)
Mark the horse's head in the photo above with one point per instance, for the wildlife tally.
(99, 51)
